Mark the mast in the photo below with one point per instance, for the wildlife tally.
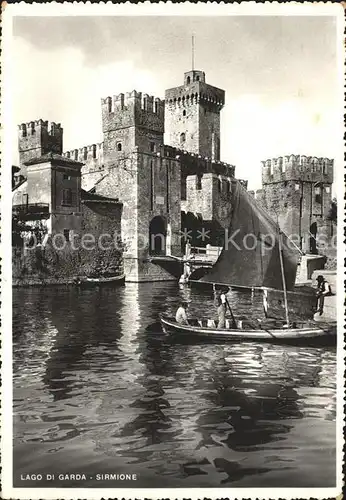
(283, 277)
(193, 52)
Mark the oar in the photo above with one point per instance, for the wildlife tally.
(235, 324)
(232, 316)
(265, 330)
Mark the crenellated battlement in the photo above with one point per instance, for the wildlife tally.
(37, 138)
(31, 128)
(86, 153)
(297, 167)
(133, 109)
(133, 99)
(192, 163)
(197, 92)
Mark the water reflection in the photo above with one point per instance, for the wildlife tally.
(94, 373)
(77, 316)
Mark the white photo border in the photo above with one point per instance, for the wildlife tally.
(148, 9)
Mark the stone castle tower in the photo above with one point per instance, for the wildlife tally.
(37, 138)
(52, 190)
(297, 191)
(193, 116)
(132, 121)
(146, 179)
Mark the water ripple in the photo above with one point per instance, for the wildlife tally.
(92, 378)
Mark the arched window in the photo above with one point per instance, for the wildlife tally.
(182, 138)
(109, 102)
(184, 112)
(85, 153)
(24, 130)
(119, 146)
(188, 80)
(94, 150)
(197, 78)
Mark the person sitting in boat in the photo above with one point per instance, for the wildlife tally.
(181, 316)
(323, 290)
(220, 302)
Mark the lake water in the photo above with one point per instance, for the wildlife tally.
(99, 389)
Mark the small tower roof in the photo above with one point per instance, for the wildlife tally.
(88, 197)
(55, 159)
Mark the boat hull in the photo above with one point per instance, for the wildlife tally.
(307, 333)
(91, 282)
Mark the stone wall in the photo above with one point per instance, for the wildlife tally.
(297, 192)
(61, 261)
(148, 185)
(306, 267)
(301, 304)
(210, 195)
(194, 164)
(296, 206)
(93, 168)
(209, 131)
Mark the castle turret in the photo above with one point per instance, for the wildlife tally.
(192, 116)
(297, 191)
(37, 138)
(130, 121)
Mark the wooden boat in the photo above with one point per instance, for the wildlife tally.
(102, 280)
(203, 329)
(268, 264)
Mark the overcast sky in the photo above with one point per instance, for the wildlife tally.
(279, 74)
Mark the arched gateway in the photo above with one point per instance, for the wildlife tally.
(157, 236)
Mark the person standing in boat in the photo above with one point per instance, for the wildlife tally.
(323, 290)
(181, 316)
(221, 302)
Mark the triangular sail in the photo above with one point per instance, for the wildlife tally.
(250, 257)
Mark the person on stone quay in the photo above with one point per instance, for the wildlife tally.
(221, 302)
(181, 316)
(323, 290)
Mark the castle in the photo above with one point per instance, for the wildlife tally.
(160, 190)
